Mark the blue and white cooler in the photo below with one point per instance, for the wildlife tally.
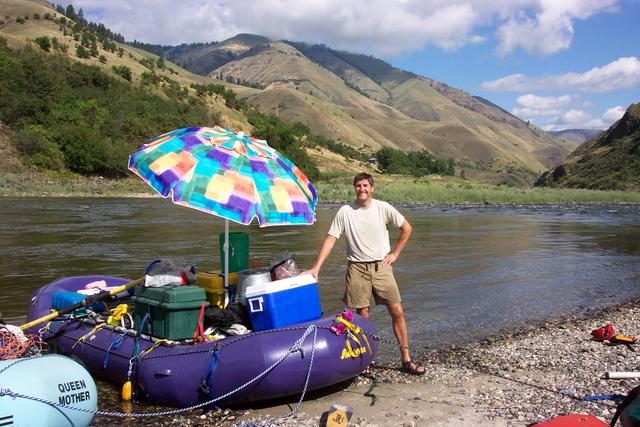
(283, 302)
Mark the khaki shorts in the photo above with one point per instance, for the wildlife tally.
(367, 278)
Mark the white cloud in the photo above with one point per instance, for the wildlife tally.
(533, 105)
(621, 74)
(613, 114)
(581, 119)
(384, 27)
(546, 26)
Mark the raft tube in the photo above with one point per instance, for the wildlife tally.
(34, 390)
(186, 374)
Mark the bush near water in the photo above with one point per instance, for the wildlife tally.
(65, 116)
(69, 116)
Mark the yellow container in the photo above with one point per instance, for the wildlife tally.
(216, 298)
(213, 284)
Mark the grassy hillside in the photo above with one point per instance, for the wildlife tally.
(364, 102)
(609, 161)
(345, 98)
(76, 101)
(201, 58)
(576, 136)
(143, 65)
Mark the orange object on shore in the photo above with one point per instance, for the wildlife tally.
(621, 339)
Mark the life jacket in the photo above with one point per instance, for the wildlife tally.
(603, 333)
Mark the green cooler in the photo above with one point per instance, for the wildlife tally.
(238, 251)
(173, 310)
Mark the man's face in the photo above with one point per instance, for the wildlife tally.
(363, 190)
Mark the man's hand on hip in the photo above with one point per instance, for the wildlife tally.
(389, 259)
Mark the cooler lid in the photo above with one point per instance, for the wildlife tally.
(170, 294)
(280, 285)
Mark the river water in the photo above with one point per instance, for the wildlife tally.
(467, 273)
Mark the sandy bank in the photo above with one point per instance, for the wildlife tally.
(515, 380)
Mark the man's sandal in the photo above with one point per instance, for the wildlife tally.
(412, 368)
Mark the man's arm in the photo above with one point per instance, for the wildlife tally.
(325, 250)
(405, 233)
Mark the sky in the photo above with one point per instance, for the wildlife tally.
(561, 64)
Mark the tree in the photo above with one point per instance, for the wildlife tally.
(94, 48)
(37, 143)
(81, 52)
(70, 12)
(123, 71)
(451, 171)
(86, 39)
(43, 42)
(160, 62)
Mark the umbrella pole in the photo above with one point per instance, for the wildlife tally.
(226, 261)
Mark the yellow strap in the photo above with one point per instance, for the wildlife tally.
(348, 324)
(119, 311)
(116, 314)
(354, 337)
(349, 348)
(355, 331)
(153, 347)
(95, 329)
(367, 342)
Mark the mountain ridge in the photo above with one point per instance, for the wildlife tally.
(365, 103)
(608, 161)
(363, 88)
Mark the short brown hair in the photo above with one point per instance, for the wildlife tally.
(362, 175)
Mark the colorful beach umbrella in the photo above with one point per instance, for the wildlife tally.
(227, 174)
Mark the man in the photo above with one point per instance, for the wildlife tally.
(364, 223)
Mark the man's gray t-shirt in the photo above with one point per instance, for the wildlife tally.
(366, 229)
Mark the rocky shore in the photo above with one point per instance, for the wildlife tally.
(517, 379)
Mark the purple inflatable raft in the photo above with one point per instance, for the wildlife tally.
(181, 372)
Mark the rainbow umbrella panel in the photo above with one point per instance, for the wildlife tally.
(227, 174)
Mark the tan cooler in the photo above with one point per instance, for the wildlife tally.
(213, 284)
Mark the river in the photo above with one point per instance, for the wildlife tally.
(467, 272)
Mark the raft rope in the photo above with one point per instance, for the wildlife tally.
(296, 347)
(592, 399)
(13, 346)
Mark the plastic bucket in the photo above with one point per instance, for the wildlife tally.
(238, 251)
(248, 279)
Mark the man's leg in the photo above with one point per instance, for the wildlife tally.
(400, 329)
(402, 335)
(364, 312)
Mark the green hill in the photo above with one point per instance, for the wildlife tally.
(352, 100)
(364, 102)
(73, 99)
(204, 57)
(609, 161)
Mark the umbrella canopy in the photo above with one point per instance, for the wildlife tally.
(227, 174)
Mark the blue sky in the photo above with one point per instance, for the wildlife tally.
(559, 63)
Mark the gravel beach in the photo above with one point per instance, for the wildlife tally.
(517, 379)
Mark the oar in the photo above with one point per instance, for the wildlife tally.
(84, 303)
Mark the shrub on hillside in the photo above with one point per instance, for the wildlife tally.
(43, 42)
(37, 144)
(70, 114)
(123, 71)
